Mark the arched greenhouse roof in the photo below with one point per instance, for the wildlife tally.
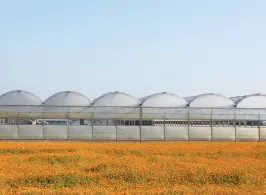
(250, 101)
(116, 98)
(163, 99)
(210, 100)
(67, 98)
(20, 98)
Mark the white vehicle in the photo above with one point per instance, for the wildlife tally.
(53, 121)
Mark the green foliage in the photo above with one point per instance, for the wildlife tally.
(97, 168)
(66, 159)
(58, 181)
(15, 151)
(57, 150)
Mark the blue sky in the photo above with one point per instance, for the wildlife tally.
(139, 47)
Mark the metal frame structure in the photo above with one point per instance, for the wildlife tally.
(133, 124)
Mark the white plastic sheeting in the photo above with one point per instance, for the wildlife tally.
(262, 114)
(55, 132)
(103, 133)
(116, 98)
(67, 98)
(262, 134)
(19, 101)
(247, 114)
(113, 112)
(247, 134)
(30, 132)
(163, 105)
(152, 133)
(210, 100)
(163, 99)
(173, 133)
(175, 113)
(222, 114)
(8, 132)
(113, 104)
(19, 98)
(200, 114)
(66, 101)
(80, 132)
(131, 133)
(251, 101)
(164, 113)
(200, 133)
(223, 133)
(121, 99)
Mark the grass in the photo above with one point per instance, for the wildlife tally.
(65, 159)
(14, 151)
(132, 168)
(57, 181)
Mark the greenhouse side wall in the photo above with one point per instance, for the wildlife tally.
(133, 124)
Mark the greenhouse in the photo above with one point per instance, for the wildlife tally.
(118, 116)
(66, 101)
(209, 100)
(19, 101)
(250, 101)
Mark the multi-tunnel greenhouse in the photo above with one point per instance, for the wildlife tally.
(118, 116)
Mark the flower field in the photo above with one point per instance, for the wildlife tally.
(132, 168)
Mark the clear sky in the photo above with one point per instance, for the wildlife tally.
(139, 47)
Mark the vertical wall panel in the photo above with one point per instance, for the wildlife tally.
(247, 134)
(262, 134)
(199, 133)
(152, 133)
(8, 132)
(223, 133)
(55, 132)
(128, 133)
(82, 132)
(107, 133)
(176, 133)
(34, 132)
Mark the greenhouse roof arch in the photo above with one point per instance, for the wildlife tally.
(67, 98)
(116, 99)
(250, 101)
(163, 99)
(113, 104)
(19, 98)
(210, 100)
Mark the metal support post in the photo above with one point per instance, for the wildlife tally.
(92, 125)
(43, 116)
(140, 117)
(116, 129)
(259, 124)
(67, 117)
(188, 123)
(235, 124)
(211, 126)
(17, 123)
(164, 128)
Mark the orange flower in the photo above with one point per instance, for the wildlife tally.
(132, 168)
